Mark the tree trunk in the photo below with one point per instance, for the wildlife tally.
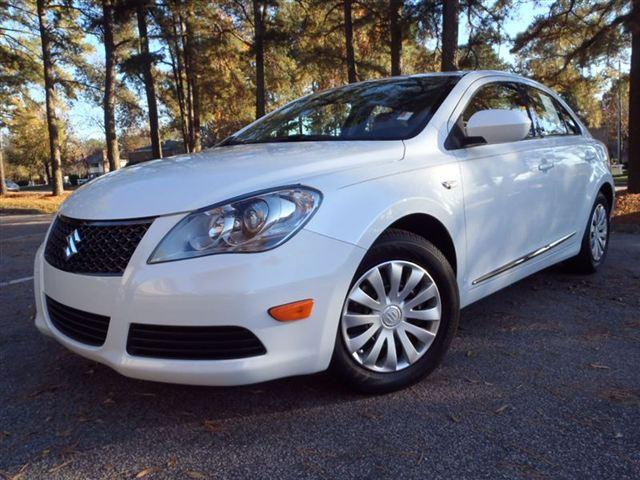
(352, 76)
(109, 101)
(192, 78)
(188, 96)
(177, 68)
(449, 35)
(3, 186)
(634, 104)
(258, 45)
(47, 173)
(51, 101)
(395, 29)
(149, 87)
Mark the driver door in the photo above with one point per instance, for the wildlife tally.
(508, 198)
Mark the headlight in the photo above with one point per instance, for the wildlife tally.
(251, 224)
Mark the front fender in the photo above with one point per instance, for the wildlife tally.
(360, 212)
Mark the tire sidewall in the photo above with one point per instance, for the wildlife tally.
(600, 200)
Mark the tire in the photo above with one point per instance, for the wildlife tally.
(587, 261)
(410, 255)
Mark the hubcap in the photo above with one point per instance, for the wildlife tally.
(391, 316)
(598, 232)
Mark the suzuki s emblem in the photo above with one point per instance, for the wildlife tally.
(73, 239)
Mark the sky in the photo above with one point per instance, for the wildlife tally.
(86, 117)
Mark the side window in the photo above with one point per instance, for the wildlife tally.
(548, 118)
(500, 96)
(569, 122)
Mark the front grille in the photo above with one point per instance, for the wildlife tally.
(95, 247)
(81, 326)
(192, 343)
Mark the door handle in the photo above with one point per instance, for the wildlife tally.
(543, 167)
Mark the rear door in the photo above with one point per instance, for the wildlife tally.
(508, 198)
(567, 158)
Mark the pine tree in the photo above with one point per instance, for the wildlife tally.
(51, 96)
(576, 33)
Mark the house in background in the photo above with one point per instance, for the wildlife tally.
(143, 154)
(97, 163)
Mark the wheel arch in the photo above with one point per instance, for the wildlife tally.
(608, 191)
(431, 229)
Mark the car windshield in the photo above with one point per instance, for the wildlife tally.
(390, 109)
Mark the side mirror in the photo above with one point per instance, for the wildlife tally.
(499, 126)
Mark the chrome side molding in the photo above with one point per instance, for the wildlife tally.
(521, 260)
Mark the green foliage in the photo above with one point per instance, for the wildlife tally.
(569, 48)
(27, 146)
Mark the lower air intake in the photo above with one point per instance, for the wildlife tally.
(192, 343)
(83, 327)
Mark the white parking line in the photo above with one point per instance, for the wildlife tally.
(23, 237)
(17, 280)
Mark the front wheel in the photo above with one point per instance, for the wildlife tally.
(399, 316)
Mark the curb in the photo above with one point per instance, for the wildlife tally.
(625, 227)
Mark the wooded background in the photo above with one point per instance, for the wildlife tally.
(197, 70)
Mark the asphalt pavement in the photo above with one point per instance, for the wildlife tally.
(543, 381)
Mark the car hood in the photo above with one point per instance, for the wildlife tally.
(192, 181)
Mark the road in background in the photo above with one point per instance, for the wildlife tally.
(541, 382)
(20, 237)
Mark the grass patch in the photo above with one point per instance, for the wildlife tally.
(621, 180)
(31, 202)
(627, 204)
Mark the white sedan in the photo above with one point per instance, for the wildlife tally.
(345, 229)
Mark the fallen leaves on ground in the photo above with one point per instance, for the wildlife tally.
(36, 202)
(45, 389)
(628, 397)
(627, 208)
(60, 466)
(147, 471)
(369, 415)
(15, 476)
(598, 366)
(195, 474)
(212, 426)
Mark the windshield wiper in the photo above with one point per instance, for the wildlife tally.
(230, 141)
(289, 138)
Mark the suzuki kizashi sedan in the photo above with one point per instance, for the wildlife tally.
(346, 229)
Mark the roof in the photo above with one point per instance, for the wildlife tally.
(95, 158)
(473, 73)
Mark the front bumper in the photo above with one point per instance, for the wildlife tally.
(227, 289)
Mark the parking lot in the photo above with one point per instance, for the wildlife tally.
(543, 381)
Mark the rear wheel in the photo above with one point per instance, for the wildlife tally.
(595, 241)
(399, 316)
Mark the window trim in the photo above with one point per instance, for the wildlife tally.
(570, 115)
(452, 140)
(556, 103)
